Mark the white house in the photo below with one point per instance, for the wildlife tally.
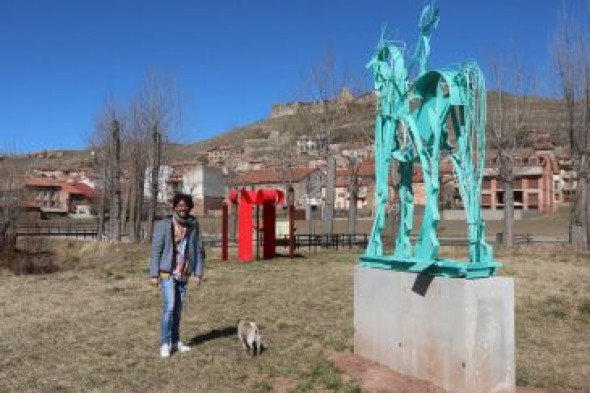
(204, 183)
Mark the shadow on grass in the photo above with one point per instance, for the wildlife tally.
(213, 335)
(286, 256)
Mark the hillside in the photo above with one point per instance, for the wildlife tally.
(351, 122)
(355, 122)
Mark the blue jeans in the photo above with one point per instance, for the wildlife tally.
(173, 294)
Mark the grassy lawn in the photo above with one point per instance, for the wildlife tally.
(94, 325)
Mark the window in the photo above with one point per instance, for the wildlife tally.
(534, 182)
(533, 199)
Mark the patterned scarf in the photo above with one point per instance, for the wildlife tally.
(189, 220)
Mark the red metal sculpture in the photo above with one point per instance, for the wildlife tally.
(269, 198)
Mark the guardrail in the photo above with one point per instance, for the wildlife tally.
(334, 241)
(67, 231)
(302, 241)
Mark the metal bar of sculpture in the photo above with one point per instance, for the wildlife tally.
(421, 115)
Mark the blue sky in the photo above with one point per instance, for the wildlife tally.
(231, 60)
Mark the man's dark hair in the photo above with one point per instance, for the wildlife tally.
(188, 200)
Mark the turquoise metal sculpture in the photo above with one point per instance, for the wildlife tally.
(422, 114)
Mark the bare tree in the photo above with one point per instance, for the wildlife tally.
(10, 196)
(137, 148)
(101, 141)
(328, 219)
(229, 178)
(155, 178)
(392, 215)
(156, 116)
(324, 86)
(353, 192)
(136, 136)
(115, 181)
(509, 115)
(571, 55)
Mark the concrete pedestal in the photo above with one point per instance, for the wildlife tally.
(455, 333)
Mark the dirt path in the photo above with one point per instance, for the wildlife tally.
(373, 377)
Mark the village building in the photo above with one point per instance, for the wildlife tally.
(249, 165)
(532, 185)
(359, 151)
(311, 145)
(51, 197)
(343, 189)
(206, 185)
(306, 184)
(223, 153)
(565, 180)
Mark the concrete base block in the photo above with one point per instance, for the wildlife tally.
(455, 333)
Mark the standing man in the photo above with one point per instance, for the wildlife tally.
(177, 254)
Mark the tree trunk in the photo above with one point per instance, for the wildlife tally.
(131, 227)
(125, 211)
(154, 184)
(587, 215)
(328, 222)
(578, 227)
(578, 230)
(8, 235)
(353, 200)
(233, 221)
(103, 199)
(309, 220)
(139, 208)
(394, 210)
(508, 233)
(115, 215)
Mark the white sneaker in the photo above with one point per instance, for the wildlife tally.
(165, 351)
(180, 347)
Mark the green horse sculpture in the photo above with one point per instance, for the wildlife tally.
(423, 116)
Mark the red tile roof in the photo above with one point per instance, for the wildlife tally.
(274, 175)
(31, 181)
(72, 189)
(86, 190)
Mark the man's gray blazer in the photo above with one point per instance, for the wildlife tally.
(162, 255)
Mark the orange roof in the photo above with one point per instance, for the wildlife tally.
(274, 175)
(83, 189)
(72, 189)
(31, 181)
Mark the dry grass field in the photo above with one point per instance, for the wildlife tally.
(92, 326)
(550, 224)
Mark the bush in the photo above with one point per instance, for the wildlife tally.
(25, 263)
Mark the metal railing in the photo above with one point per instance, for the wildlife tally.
(334, 241)
(66, 231)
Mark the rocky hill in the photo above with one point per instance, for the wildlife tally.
(355, 122)
(352, 121)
